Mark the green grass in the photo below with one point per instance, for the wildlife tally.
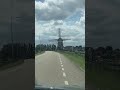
(78, 59)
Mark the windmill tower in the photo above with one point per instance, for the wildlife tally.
(59, 40)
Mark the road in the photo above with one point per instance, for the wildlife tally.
(20, 77)
(54, 69)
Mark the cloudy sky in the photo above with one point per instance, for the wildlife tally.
(68, 15)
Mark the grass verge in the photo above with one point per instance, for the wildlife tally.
(79, 60)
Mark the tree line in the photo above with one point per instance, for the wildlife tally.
(102, 57)
(104, 52)
(17, 51)
(44, 47)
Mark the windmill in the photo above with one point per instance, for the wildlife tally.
(59, 40)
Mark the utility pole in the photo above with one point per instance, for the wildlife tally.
(12, 37)
(11, 27)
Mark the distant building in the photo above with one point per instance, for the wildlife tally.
(68, 48)
(74, 48)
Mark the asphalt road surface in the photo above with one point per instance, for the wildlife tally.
(53, 69)
(20, 77)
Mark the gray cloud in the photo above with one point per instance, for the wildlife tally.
(67, 15)
(59, 11)
(58, 23)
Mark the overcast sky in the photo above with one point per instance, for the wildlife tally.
(68, 15)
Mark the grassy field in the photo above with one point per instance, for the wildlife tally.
(79, 60)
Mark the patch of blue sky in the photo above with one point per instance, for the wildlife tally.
(73, 18)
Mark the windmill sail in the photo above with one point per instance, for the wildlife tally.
(59, 40)
(59, 32)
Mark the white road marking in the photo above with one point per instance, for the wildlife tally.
(64, 75)
(82, 69)
(63, 69)
(66, 82)
(60, 61)
(59, 57)
(61, 65)
(51, 87)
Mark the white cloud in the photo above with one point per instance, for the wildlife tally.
(68, 15)
(57, 9)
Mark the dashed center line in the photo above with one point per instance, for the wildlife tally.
(51, 87)
(66, 82)
(63, 69)
(59, 57)
(64, 75)
(61, 65)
